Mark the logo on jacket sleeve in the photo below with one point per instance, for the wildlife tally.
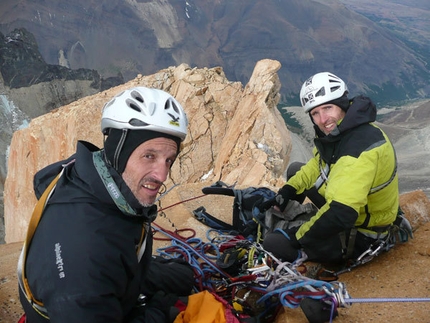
(59, 260)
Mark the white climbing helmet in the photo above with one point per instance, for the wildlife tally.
(143, 108)
(321, 88)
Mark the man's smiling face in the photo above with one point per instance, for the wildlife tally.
(148, 168)
(327, 117)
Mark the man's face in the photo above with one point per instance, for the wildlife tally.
(327, 116)
(147, 168)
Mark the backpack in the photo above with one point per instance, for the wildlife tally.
(246, 215)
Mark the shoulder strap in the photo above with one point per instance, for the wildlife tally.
(34, 222)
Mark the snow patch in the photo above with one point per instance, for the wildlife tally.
(13, 116)
(206, 176)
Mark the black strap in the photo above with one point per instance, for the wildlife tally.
(351, 243)
(219, 188)
(348, 248)
(211, 221)
(367, 219)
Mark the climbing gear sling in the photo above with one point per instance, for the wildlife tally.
(34, 222)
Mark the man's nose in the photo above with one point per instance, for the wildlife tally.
(323, 116)
(161, 171)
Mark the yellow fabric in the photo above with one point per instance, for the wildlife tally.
(351, 180)
(202, 307)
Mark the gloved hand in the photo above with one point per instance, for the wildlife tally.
(163, 302)
(281, 199)
(317, 311)
(160, 307)
(404, 227)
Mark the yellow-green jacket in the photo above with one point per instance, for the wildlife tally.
(355, 171)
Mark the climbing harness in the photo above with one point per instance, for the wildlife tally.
(399, 232)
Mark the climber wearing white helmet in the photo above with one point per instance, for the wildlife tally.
(136, 116)
(89, 257)
(351, 179)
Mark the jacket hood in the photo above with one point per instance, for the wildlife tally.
(362, 110)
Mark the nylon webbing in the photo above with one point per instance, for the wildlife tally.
(110, 184)
(34, 222)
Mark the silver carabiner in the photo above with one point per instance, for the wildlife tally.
(141, 300)
(368, 251)
(377, 249)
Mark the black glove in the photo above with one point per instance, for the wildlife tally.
(160, 308)
(163, 302)
(264, 206)
(284, 195)
(317, 311)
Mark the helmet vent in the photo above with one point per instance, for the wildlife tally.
(321, 92)
(335, 88)
(136, 95)
(137, 123)
(109, 103)
(175, 107)
(134, 106)
(170, 103)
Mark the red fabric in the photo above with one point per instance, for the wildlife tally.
(229, 316)
(22, 319)
(179, 305)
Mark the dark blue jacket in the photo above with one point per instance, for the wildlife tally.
(82, 262)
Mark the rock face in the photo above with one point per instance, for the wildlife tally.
(236, 134)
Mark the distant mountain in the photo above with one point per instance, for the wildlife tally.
(29, 87)
(407, 19)
(384, 55)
